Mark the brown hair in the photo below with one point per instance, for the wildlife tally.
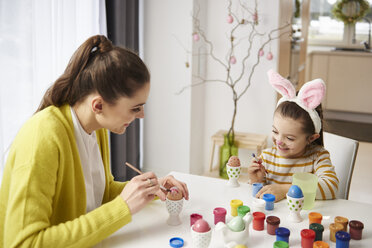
(295, 112)
(98, 66)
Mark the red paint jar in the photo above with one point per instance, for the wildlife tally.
(258, 221)
(355, 229)
(219, 215)
(272, 223)
(307, 238)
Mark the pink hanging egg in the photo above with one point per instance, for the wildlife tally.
(230, 19)
(196, 37)
(255, 17)
(232, 60)
(269, 56)
(261, 52)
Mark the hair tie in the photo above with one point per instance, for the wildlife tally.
(309, 97)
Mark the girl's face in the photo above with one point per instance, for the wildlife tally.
(117, 117)
(289, 138)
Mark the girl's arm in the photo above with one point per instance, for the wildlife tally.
(327, 178)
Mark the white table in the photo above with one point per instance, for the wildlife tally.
(149, 229)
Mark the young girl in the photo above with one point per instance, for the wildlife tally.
(57, 189)
(298, 142)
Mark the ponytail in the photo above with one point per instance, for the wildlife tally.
(99, 66)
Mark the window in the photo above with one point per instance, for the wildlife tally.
(326, 30)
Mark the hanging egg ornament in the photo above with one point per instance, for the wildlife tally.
(230, 19)
(269, 56)
(196, 37)
(232, 60)
(261, 52)
(255, 18)
(187, 64)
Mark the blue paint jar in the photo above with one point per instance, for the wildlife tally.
(255, 188)
(342, 239)
(269, 199)
(282, 234)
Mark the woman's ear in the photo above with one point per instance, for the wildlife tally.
(97, 104)
(313, 137)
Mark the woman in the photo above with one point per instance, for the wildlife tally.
(57, 189)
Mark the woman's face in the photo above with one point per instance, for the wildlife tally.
(117, 117)
(288, 136)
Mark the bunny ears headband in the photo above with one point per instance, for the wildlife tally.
(309, 97)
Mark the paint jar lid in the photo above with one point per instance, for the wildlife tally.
(316, 227)
(308, 234)
(356, 224)
(243, 210)
(341, 235)
(258, 216)
(176, 242)
(273, 220)
(268, 197)
(282, 231)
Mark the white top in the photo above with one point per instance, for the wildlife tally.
(91, 162)
(149, 227)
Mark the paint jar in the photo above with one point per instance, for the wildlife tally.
(356, 229)
(282, 234)
(269, 199)
(307, 238)
(320, 244)
(343, 221)
(281, 244)
(258, 205)
(342, 239)
(194, 218)
(315, 217)
(318, 229)
(234, 204)
(219, 215)
(255, 188)
(272, 223)
(258, 221)
(243, 210)
(333, 228)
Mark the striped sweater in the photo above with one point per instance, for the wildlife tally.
(316, 160)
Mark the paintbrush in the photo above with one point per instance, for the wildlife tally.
(258, 161)
(140, 172)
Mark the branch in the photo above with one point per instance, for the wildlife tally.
(203, 81)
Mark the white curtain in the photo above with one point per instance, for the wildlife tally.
(37, 39)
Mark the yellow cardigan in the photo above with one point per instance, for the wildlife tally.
(42, 196)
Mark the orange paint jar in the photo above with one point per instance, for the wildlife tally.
(343, 221)
(333, 228)
(320, 244)
(315, 217)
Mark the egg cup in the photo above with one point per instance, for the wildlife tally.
(201, 239)
(174, 209)
(233, 173)
(295, 206)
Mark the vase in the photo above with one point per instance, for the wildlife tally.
(226, 151)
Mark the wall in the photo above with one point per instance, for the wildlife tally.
(177, 128)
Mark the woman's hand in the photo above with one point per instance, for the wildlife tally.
(256, 171)
(139, 191)
(169, 182)
(279, 190)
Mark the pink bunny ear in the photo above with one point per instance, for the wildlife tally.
(281, 85)
(311, 94)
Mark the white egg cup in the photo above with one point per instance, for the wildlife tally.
(233, 174)
(201, 240)
(295, 206)
(174, 209)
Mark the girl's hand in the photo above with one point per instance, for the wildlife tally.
(169, 182)
(256, 171)
(279, 190)
(139, 191)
